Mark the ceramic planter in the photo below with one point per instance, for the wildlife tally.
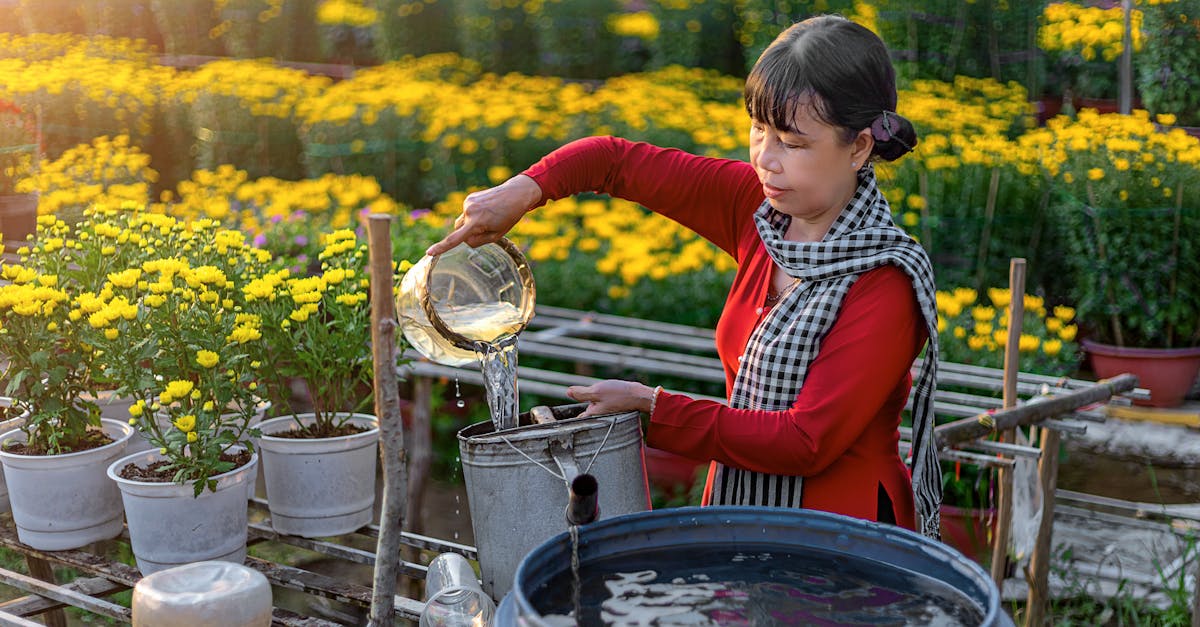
(168, 526)
(64, 502)
(140, 443)
(18, 217)
(1167, 372)
(15, 422)
(319, 487)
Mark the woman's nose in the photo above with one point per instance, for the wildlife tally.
(768, 158)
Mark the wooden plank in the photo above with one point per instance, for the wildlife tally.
(40, 568)
(593, 347)
(64, 595)
(970, 428)
(34, 604)
(651, 325)
(531, 380)
(320, 585)
(596, 357)
(412, 539)
(286, 618)
(12, 620)
(358, 556)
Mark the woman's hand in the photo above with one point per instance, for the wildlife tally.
(488, 214)
(612, 397)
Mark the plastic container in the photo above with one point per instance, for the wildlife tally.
(453, 596)
(203, 594)
(694, 534)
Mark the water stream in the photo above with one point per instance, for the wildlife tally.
(493, 327)
(498, 363)
(577, 609)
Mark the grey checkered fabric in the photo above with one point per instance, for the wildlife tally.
(783, 346)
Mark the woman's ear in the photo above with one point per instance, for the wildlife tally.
(861, 147)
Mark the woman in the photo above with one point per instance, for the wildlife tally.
(831, 302)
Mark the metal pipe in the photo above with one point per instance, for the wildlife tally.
(583, 500)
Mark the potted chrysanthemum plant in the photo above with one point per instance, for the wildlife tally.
(54, 462)
(172, 337)
(319, 454)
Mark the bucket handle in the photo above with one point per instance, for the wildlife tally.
(565, 448)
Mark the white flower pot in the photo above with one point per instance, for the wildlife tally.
(64, 502)
(6, 426)
(319, 487)
(169, 527)
(140, 443)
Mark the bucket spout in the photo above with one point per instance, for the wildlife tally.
(583, 500)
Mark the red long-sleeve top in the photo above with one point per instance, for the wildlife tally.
(841, 434)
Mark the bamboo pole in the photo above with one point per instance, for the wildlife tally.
(1012, 355)
(1038, 574)
(387, 407)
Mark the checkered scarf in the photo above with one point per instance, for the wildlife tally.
(780, 350)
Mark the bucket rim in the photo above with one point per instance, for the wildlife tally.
(810, 521)
(484, 432)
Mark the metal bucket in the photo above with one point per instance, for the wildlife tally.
(517, 481)
(694, 534)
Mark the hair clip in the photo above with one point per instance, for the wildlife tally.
(882, 130)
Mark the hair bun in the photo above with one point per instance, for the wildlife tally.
(894, 136)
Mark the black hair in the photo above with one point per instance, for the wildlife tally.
(839, 69)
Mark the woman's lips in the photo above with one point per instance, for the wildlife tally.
(770, 191)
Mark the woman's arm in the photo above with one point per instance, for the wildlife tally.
(713, 197)
(866, 354)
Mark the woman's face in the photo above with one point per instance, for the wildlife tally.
(807, 171)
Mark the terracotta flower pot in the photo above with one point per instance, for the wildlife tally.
(1167, 372)
(969, 530)
(18, 217)
(671, 473)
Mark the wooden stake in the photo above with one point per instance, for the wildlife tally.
(1012, 357)
(1196, 593)
(419, 441)
(1038, 574)
(41, 569)
(387, 408)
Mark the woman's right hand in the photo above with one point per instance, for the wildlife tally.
(488, 214)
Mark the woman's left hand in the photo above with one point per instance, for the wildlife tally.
(612, 397)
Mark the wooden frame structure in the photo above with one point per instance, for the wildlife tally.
(591, 346)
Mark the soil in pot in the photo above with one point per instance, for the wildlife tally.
(160, 471)
(315, 431)
(93, 439)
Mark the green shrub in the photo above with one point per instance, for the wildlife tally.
(1169, 62)
(573, 39)
(497, 35)
(407, 28)
(187, 26)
